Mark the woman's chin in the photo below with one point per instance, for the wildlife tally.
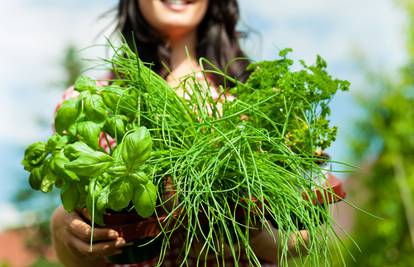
(173, 30)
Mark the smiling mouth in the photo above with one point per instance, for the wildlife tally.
(178, 2)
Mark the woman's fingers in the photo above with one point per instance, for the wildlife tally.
(106, 241)
(98, 250)
(83, 231)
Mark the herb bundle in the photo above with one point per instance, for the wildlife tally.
(234, 165)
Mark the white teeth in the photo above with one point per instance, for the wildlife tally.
(175, 2)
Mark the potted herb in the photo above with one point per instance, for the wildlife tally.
(232, 164)
(87, 175)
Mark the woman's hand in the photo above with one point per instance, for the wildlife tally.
(71, 236)
(266, 245)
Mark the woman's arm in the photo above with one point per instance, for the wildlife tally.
(71, 235)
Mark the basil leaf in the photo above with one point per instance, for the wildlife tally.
(75, 150)
(117, 171)
(94, 190)
(56, 142)
(57, 164)
(119, 100)
(136, 148)
(66, 115)
(111, 96)
(145, 199)
(95, 108)
(139, 178)
(91, 164)
(116, 154)
(103, 199)
(36, 177)
(49, 178)
(89, 132)
(120, 195)
(101, 205)
(72, 130)
(83, 192)
(70, 197)
(115, 126)
(34, 155)
(84, 83)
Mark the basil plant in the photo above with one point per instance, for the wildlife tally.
(87, 175)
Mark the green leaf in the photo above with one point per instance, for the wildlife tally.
(56, 142)
(139, 178)
(89, 132)
(57, 164)
(285, 52)
(75, 150)
(103, 199)
(91, 164)
(136, 148)
(36, 177)
(145, 199)
(49, 178)
(70, 197)
(116, 154)
(83, 192)
(115, 126)
(94, 190)
(118, 170)
(84, 83)
(120, 195)
(101, 205)
(34, 155)
(66, 115)
(119, 100)
(111, 96)
(95, 108)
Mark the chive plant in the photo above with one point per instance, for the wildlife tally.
(236, 166)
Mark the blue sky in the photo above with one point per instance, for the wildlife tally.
(35, 33)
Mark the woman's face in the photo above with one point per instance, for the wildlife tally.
(173, 18)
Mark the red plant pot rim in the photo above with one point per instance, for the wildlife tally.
(132, 227)
(332, 192)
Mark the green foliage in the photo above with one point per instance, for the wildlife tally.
(387, 129)
(299, 101)
(43, 262)
(73, 161)
(217, 162)
(67, 115)
(145, 198)
(136, 148)
(388, 126)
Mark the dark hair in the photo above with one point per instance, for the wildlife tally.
(218, 39)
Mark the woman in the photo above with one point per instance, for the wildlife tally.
(172, 34)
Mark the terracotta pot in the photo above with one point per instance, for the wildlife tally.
(332, 192)
(143, 234)
(132, 227)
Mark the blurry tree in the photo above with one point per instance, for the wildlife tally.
(388, 129)
(27, 197)
(72, 64)
(72, 67)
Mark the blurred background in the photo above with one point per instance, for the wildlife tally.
(45, 44)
